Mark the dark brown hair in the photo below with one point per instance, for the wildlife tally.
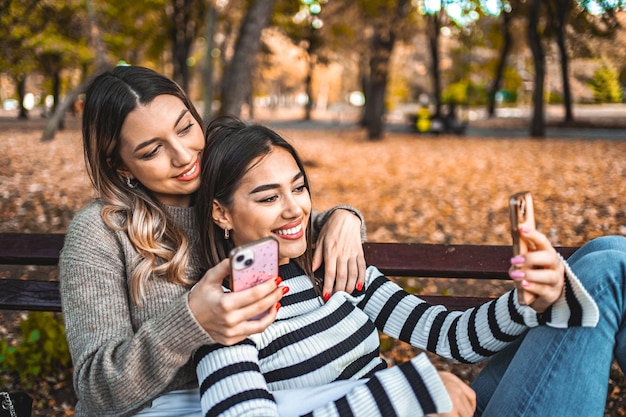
(232, 146)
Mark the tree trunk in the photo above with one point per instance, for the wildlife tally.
(504, 53)
(182, 34)
(238, 74)
(101, 66)
(72, 96)
(95, 36)
(21, 93)
(383, 42)
(308, 106)
(563, 11)
(433, 43)
(56, 95)
(250, 101)
(382, 46)
(207, 74)
(365, 87)
(537, 126)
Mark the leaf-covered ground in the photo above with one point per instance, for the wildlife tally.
(410, 188)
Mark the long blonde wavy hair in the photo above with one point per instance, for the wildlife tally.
(162, 247)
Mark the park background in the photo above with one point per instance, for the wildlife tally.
(537, 87)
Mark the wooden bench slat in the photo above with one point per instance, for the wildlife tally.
(16, 294)
(396, 259)
(393, 259)
(443, 261)
(44, 296)
(30, 248)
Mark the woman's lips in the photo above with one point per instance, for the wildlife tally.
(191, 173)
(292, 233)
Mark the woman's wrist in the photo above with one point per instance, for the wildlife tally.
(323, 217)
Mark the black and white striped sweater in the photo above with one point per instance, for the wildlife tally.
(312, 343)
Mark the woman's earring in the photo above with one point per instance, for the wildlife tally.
(226, 234)
(129, 182)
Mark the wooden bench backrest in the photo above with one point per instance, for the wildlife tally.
(393, 259)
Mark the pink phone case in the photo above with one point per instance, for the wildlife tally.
(253, 263)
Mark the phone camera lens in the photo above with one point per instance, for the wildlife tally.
(248, 262)
(240, 258)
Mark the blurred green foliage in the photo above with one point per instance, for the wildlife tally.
(554, 97)
(40, 350)
(465, 92)
(605, 85)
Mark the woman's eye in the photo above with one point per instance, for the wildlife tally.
(186, 129)
(151, 154)
(269, 199)
(300, 188)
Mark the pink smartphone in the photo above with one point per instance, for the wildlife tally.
(522, 214)
(253, 263)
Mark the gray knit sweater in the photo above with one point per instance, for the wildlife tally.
(125, 356)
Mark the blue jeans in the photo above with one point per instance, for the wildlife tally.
(564, 372)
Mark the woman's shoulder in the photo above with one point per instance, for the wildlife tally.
(89, 212)
(89, 218)
(88, 229)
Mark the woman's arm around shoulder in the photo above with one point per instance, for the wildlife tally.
(340, 232)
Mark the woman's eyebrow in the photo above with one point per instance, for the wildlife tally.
(266, 187)
(150, 141)
(180, 116)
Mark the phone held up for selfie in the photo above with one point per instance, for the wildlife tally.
(253, 263)
(522, 214)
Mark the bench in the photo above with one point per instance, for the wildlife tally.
(393, 259)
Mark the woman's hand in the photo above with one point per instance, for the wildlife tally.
(226, 317)
(339, 244)
(539, 272)
(463, 397)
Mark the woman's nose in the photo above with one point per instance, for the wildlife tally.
(181, 154)
(292, 208)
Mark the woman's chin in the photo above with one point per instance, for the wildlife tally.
(292, 251)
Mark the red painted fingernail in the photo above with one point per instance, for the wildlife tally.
(326, 296)
(285, 290)
(278, 280)
(359, 286)
(525, 229)
(277, 306)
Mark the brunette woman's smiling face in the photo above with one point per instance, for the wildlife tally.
(272, 200)
(161, 146)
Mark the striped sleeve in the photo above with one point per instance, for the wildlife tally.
(409, 389)
(232, 385)
(466, 336)
(575, 306)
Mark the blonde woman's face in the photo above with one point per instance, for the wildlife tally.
(161, 147)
